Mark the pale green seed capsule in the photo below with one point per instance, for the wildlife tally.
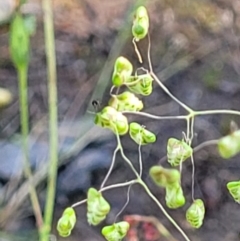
(178, 151)
(125, 101)
(122, 71)
(97, 207)
(67, 222)
(140, 24)
(174, 196)
(112, 119)
(234, 189)
(164, 176)
(229, 146)
(148, 136)
(122, 125)
(141, 135)
(116, 232)
(141, 84)
(195, 213)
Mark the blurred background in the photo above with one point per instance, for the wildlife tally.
(195, 52)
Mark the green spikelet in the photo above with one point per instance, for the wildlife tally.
(229, 146)
(141, 135)
(174, 196)
(234, 189)
(177, 151)
(140, 24)
(126, 101)
(164, 177)
(122, 71)
(112, 119)
(67, 222)
(195, 213)
(116, 232)
(97, 207)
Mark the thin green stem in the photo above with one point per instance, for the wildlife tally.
(188, 129)
(124, 184)
(140, 160)
(111, 167)
(163, 210)
(214, 112)
(53, 124)
(125, 205)
(205, 144)
(137, 51)
(192, 130)
(193, 177)
(141, 182)
(149, 54)
(156, 117)
(165, 89)
(24, 116)
(123, 155)
(113, 186)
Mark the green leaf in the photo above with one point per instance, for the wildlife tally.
(97, 207)
(116, 232)
(195, 213)
(178, 151)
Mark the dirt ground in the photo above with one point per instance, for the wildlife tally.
(195, 52)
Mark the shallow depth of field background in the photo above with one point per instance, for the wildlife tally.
(195, 52)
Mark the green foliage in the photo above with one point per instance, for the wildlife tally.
(116, 232)
(177, 151)
(122, 71)
(126, 101)
(97, 207)
(234, 189)
(67, 222)
(112, 119)
(141, 135)
(141, 84)
(195, 213)
(229, 146)
(140, 23)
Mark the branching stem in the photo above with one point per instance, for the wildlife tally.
(111, 167)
